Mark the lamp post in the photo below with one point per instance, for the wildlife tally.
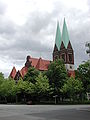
(55, 96)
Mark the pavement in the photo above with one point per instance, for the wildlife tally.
(44, 112)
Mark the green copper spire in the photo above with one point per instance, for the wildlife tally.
(65, 36)
(58, 37)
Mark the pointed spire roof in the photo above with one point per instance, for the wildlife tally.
(58, 37)
(65, 36)
(13, 73)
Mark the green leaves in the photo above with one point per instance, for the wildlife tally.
(57, 75)
(31, 75)
(7, 87)
(72, 87)
(83, 73)
(42, 84)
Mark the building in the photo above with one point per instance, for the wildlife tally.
(62, 50)
(40, 64)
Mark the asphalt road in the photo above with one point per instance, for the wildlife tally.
(44, 112)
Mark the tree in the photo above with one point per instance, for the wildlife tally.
(1, 75)
(72, 87)
(6, 88)
(57, 75)
(42, 85)
(1, 81)
(31, 75)
(83, 73)
(39, 89)
(21, 89)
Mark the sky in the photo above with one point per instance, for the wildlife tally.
(28, 27)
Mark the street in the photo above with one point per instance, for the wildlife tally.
(44, 112)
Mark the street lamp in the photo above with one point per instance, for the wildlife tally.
(55, 96)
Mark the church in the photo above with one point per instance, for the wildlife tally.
(62, 50)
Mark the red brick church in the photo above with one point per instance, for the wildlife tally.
(62, 50)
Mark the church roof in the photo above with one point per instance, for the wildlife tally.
(39, 64)
(23, 71)
(13, 73)
(65, 36)
(42, 64)
(58, 37)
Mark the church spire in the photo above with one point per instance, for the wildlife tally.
(65, 36)
(58, 37)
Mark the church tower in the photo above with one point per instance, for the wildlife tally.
(63, 49)
(57, 43)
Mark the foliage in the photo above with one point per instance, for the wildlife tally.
(83, 73)
(1, 78)
(31, 75)
(57, 75)
(21, 86)
(72, 87)
(7, 89)
(42, 85)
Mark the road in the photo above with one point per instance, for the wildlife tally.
(44, 112)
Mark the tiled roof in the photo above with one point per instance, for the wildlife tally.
(33, 61)
(42, 64)
(13, 73)
(39, 64)
(23, 71)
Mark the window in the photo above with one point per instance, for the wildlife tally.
(70, 57)
(63, 57)
(70, 67)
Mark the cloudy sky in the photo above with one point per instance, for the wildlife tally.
(28, 27)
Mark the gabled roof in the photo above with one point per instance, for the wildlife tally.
(23, 71)
(13, 73)
(33, 61)
(40, 63)
(58, 37)
(65, 36)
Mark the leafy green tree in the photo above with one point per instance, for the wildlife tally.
(21, 89)
(31, 89)
(57, 75)
(6, 88)
(1, 81)
(1, 78)
(42, 85)
(83, 73)
(72, 87)
(39, 89)
(31, 75)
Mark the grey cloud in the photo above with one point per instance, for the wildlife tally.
(36, 37)
(7, 27)
(79, 37)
